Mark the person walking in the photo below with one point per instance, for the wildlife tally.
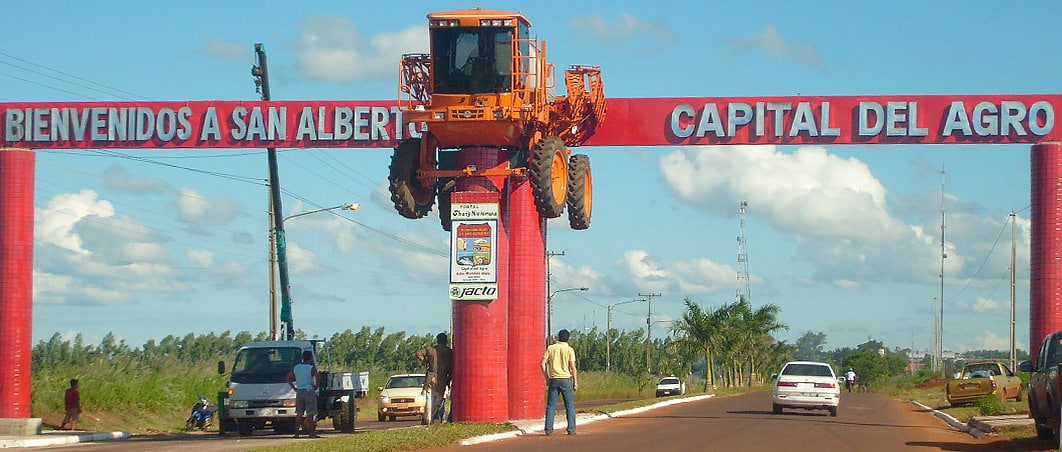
(562, 379)
(303, 379)
(438, 359)
(73, 407)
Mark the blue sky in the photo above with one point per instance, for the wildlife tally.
(149, 243)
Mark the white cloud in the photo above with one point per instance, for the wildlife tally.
(195, 208)
(847, 284)
(118, 178)
(696, 276)
(626, 28)
(771, 43)
(222, 49)
(88, 255)
(809, 193)
(986, 305)
(989, 340)
(838, 213)
(301, 261)
(332, 49)
(201, 258)
(54, 225)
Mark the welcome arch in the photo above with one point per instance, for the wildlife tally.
(505, 335)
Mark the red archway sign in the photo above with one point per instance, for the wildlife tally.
(794, 120)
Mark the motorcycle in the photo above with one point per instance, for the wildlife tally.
(202, 415)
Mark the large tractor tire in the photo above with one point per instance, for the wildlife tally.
(580, 192)
(548, 172)
(411, 197)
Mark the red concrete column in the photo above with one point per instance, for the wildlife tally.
(1045, 257)
(16, 280)
(479, 391)
(527, 302)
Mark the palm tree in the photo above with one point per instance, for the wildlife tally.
(697, 331)
(754, 331)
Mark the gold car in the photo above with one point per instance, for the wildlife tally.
(403, 395)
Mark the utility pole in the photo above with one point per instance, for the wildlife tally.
(260, 72)
(649, 330)
(943, 255)
(1013, 284)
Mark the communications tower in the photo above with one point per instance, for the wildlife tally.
(742, 257)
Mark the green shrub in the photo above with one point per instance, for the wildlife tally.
(992, 405)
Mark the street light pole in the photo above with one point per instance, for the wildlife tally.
(608, 333)
(354, 206)
(549, 306)
(273, 258)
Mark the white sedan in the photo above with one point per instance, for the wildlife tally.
(670, 386)
(808, 385)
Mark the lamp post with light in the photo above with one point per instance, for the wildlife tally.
(608, 333)
(273, 265)
(549, 307)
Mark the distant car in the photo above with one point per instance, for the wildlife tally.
(979, 379)
(402, 396)
(670, 386)
(807, 385)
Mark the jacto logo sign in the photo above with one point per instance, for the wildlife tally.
(473, 292)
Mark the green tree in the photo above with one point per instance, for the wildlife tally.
(872, 367)
(809, 346)
(699, 330)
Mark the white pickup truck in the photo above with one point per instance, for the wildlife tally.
(258, 396)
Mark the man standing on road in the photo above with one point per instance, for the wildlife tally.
(303, 379)
(438, 361)
(562, 378)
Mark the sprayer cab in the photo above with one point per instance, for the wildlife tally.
(486, 83)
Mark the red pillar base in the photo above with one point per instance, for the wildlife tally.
(479, 390)
(527, 302)
(1045, 257)
(16, 280)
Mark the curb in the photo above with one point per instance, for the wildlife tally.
(580, 420)
(973, 431)
(48, 439)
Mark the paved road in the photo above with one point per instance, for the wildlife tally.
(866, 422)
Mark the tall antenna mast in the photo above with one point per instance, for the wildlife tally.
(742, 257)
(943, 255)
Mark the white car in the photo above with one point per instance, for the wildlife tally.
(670, 386)
(402, 396)
(808, 385)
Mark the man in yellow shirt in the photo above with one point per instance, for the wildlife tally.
(562, 378)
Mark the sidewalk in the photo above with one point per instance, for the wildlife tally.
(59, 437)
(533, 426)
(980, 425)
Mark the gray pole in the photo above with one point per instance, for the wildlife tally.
(1013, 282)
(649, 331)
